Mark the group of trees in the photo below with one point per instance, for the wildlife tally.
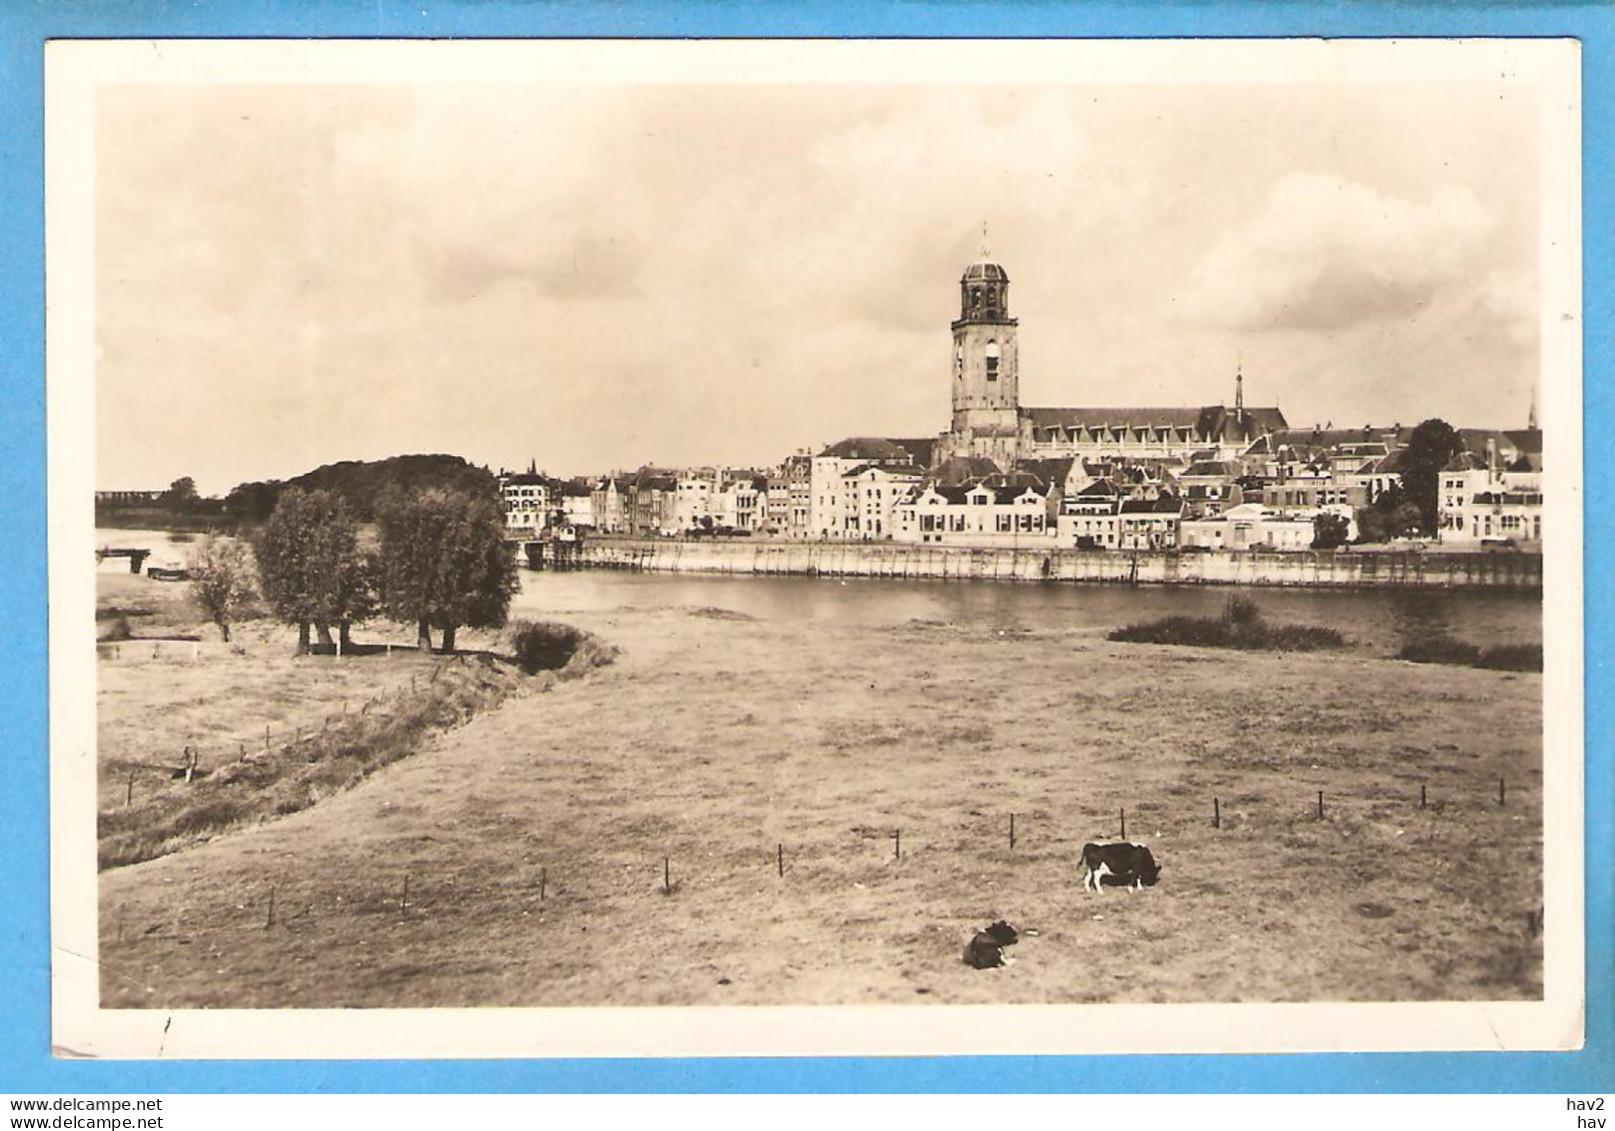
(438, 560)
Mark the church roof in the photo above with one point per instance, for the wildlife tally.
(1114, 417)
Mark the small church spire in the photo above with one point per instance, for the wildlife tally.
(1531, 421)
(986, 249)
(1239, 389)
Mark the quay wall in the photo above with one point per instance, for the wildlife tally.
(1322, 569)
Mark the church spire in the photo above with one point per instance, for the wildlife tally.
(986, 249)
(1239, 389)
(1531, 421)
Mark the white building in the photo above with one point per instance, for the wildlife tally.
(1003, 515)
(1254, 526)
(834, 501)
(528, 501)
(1491, 504)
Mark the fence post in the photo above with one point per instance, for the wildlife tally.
(1124, 824)
(897, 844)
(779, 858)
(1012, 830)
(1320, 805)
(1216, 813)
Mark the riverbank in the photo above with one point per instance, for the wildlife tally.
(831, 803)
(1505, 571)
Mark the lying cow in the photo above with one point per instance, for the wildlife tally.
(986, 949)
(1121, 862)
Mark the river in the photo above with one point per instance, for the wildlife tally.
(1378, 620)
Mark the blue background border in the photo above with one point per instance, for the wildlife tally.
(25, 25)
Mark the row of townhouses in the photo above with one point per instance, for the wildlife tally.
(876, 489)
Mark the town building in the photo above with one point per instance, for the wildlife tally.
(1255, 526)
(1088, 519)
(528, 502)
(1482, 501)
(1006, 512)
(790, 497)
(834, 498)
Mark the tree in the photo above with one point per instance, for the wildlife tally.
(310, 566)
(1329, 531)
(444, 561)
(1429, 449)
(252, 502)
(181, 492)
(1390, 516)
(221, 580)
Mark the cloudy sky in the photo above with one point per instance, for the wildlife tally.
(598, 276)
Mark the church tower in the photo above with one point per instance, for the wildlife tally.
(986, 372)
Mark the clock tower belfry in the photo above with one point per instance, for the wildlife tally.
(986, 372)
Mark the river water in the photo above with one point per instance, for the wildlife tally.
(1378, 620)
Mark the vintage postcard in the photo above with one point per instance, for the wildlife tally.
(668, 548)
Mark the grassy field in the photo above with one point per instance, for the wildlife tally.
(532, 839)
(221, 700)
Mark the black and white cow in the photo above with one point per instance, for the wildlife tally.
(986, 949)
(1122, 862)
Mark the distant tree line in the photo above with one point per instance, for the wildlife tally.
(361, 485)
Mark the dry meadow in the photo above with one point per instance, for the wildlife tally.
(748, 811)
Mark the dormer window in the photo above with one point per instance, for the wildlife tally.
(992, 361)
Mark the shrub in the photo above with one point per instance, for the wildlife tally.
(1440, 649)
(541, 646)
(1450, 650)
(1302, 638)
(1242, 612)
(1512, 658)
(1239, 626)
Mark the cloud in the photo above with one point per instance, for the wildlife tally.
(1326, 253)
(1510, 302)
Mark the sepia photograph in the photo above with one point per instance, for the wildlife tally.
(862, 539)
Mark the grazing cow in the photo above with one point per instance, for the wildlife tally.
(1121, 862)
(986, 948)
